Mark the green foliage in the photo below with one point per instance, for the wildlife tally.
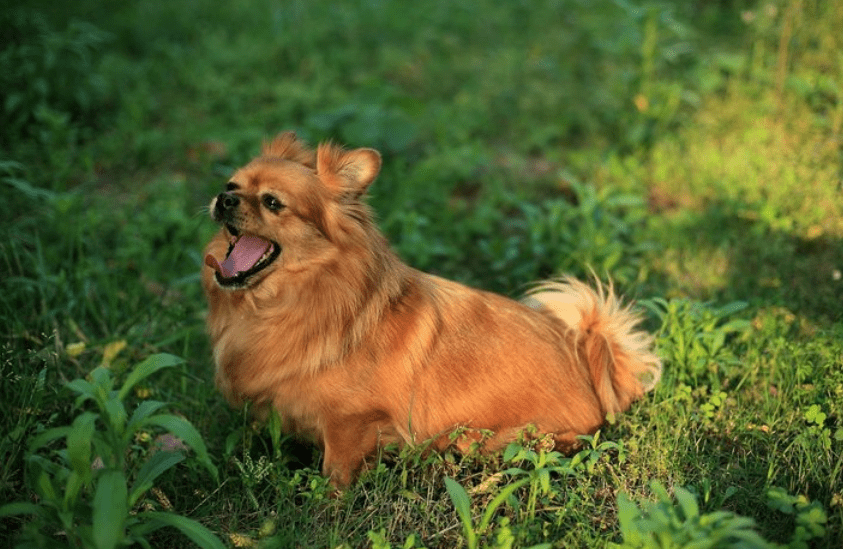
(681, 525)
(811, 517)
(512, 241)
(663, 524)
(51, 82)
(89, 491)
(474, 532)
(693, 338)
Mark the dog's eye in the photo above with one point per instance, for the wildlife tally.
(232, 186)
(271, 203)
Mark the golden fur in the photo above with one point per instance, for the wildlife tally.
(355, 349)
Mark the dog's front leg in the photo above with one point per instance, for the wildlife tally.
(348, 441)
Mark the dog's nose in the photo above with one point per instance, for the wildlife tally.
(227, 201)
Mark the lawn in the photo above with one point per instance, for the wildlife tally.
(689, 151)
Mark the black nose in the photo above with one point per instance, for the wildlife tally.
(226, 202)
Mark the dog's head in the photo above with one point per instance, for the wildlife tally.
(289, 210)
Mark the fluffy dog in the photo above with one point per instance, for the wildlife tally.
(311, 313)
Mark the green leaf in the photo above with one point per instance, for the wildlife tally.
(82, 387)
(628, 514)
(196, 532)
(75, 482)
(780, 500)
(497, 501)
(145, 369)
(143, 411)
(79, 442)
(110, 508)
(459, 497)
(511, 451)
(45, 489)
(20, 508)
(116, 415)
(462, 504)
(102, 381)
(42, 439)
(274, 427)
(660, 491)
(185, 431)
(152, 469)
(687, 502)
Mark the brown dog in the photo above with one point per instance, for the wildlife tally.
(312, 313)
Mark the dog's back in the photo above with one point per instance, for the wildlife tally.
(561, 365)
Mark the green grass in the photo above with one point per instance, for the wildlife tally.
(691, 151)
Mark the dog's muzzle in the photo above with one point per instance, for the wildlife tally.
(224, 207)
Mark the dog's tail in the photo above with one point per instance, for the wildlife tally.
(619, 356)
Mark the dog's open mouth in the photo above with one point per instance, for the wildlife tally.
(246, 256)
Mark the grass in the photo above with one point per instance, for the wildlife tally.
(690, 151)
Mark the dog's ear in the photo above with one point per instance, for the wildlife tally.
(347, 173)
(287, 146)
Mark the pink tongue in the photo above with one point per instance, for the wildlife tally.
(246, 252)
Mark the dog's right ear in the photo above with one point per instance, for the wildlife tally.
(288, 146)
(347, 173)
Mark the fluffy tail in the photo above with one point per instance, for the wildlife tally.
(619, 356)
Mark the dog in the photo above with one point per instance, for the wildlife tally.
(311, 313)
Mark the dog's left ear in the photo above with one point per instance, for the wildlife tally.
(347, 173)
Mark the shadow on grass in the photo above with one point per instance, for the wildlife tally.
(727, 252)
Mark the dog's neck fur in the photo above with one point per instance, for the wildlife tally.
(324, 312)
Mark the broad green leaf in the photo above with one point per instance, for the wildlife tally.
(42, 439)
(143, 411)
(659, 490)
(544, 480)
(628, 513)
(152, 469)
(196, 532)
(102, 380)
(460, 499)
(116, 415)
(20, 508)
(700, 544)
(110, 508)
(687, 502)
(79, 442)
(185, 431)
(145, 369)
(511, 451)
(45, 488)
(75, 482)
(463, 506)
(274, 427)
(82, 387)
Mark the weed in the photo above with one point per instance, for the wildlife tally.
(693, 338)
(89, 491)
(665, 524)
